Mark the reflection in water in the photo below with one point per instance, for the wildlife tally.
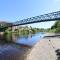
(8, 38)
(29, 40)
(14, 51)
(2, 37)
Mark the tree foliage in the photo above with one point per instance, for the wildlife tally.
(56, 27)
(4, 26)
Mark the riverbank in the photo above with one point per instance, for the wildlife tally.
(51, 34)
(45, 49)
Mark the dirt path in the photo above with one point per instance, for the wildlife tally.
(45, 49)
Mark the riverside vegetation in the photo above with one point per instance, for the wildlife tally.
(55, 28)
(25, 30)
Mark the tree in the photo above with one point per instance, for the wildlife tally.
(4, 26)
(56, 26)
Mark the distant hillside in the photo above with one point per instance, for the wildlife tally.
(2, 23)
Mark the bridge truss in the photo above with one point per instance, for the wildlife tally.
(41, 18)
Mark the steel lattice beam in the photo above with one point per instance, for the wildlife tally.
(46, 17)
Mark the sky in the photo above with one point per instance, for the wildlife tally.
(15, 10)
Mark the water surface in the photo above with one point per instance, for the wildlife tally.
(31, 39)
(17, 52)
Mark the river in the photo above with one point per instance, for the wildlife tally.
(20, 46)
(30, 40)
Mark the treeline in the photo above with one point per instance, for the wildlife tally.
(55, 28)
(20, 30)
(25, 30)
(4, 26)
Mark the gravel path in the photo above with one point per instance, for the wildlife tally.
(45, 49)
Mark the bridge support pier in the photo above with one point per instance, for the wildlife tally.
(14, 28)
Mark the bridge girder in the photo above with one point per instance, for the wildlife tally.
(41, 18)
